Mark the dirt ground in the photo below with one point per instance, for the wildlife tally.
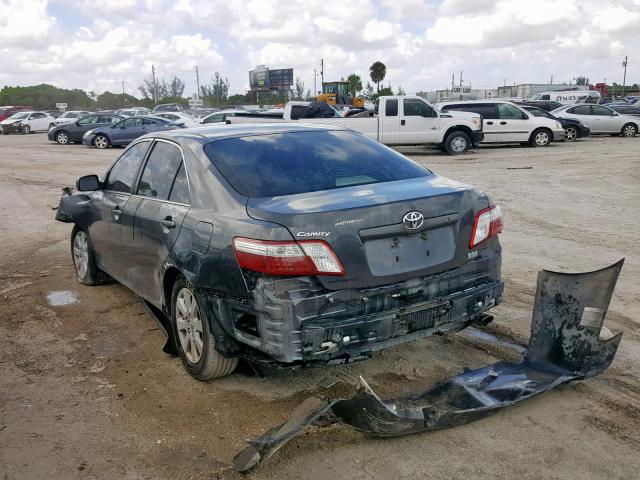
(86, 391)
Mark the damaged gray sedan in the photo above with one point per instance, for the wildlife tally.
(285, 245)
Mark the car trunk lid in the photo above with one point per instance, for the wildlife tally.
(369, 229)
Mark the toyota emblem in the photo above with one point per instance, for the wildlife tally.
(413, 220)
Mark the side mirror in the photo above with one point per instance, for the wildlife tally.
(88, 183)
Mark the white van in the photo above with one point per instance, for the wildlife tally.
(569, 96)
(505, 122)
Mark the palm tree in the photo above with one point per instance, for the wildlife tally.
(377, 71)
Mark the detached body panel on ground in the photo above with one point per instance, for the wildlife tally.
(300, 244)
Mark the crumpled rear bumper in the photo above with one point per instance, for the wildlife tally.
(567, 343)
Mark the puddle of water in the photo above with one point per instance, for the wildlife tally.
(62, 297)
(487, 337)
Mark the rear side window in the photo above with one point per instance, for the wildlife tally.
(121, 177)
(598, 110)
(160, 171)
(299, 162)
(180, 189)
(487, 111)
(391, 108)
(580, 110)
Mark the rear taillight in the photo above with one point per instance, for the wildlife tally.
(310, 257)
(488, 223)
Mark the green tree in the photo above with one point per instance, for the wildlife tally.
(401, 91)
(384, 91)
(355, 84)
(368, 91)
(298, 92)
(377, 71)
(216, 92)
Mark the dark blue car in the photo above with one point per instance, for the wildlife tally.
(126, 131)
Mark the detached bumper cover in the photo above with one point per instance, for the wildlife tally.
(11, 128)
(566, 344)
(558, 135)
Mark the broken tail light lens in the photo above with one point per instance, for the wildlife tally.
(311, 257)
(488, 223)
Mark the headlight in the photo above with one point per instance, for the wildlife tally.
(584, 124)
(90, 132)
(558, 126)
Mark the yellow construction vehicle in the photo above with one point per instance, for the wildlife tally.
(337, 93)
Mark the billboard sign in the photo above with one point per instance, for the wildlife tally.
(261, 78)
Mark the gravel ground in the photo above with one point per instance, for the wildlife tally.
(86, 392)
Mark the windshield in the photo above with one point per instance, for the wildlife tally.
(69, 115)
(18, 116)
(299, 162)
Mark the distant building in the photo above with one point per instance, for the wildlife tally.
(458, 93)
(528, 90)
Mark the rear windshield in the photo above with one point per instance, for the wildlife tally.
(300, 162)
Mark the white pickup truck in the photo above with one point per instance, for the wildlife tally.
(397, 120)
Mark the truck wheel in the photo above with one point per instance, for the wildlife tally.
(540, 138)
(457, 143)
(194, 339)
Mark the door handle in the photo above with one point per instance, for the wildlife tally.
(402, 122)
(168, 223)
(489, 123)
(116, 213)
(503, 123)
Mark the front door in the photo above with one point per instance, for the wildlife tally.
(419, 122)
(607, 121)
(106, 233)
(514, 124)
(164, 201)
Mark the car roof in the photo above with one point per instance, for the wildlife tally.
(219, 132)
(471, 102)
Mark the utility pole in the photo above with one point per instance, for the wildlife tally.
(123, 99)
(453, 81)
(153, 76)
(551, 82)
(624, 79)
(315, 76)
(197, 84)
(322, 71)
(461, 77)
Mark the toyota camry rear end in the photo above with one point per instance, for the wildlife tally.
(286, 244)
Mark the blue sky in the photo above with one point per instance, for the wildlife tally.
(98, 44)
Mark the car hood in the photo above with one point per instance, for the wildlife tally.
(9, 121)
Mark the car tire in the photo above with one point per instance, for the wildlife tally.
(63, 138)
(26, 129)
(194, 340)
(570, 134)
(457, 143)
(629, 130)
(101, 141)
(83, 257)
(541, 138)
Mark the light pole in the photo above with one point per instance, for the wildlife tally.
(624, 78)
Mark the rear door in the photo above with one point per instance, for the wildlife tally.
(107, 233)
(389, 122)
(419, 122)
(79, 128)
(164, 199)
(514, 125)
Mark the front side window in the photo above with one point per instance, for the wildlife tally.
(214, 119)
(391, 108)
(417, 108)
(509, 112)
(121, 177)
(159, 172)
(598, 110)
(540, 113)
(300, 162)
(545, 97)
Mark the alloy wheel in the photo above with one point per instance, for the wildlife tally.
(570, 134)
(81, 254)
(629, 131)
(62, 138)
(189, 325)
(542, 139)
(101, 141)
